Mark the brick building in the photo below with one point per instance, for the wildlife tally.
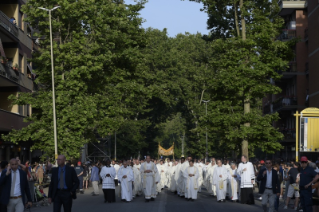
(16, 74)
(299, 85)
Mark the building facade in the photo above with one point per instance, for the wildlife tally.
(16, 75)
(299, 85)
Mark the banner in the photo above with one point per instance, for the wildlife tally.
(166, 152)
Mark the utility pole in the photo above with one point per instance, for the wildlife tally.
(53, 88)
(206, 155)
(115, 146)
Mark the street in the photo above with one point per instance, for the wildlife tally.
(165, 202)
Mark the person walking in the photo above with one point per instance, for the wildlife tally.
(95, 179)
(269, 186)
(108, 185)
(63, 185)
(79, 173)
(293, 188)
(15, 188)
(307, 177)
(4, 165)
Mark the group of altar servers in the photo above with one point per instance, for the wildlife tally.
(184, 177)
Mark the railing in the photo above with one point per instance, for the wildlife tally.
(267, 109)
(306, 34)
(284, 102)
(287, 34)
(7, 74)
(289, 134)
(6, 23)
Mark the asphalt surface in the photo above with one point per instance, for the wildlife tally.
(166, 201)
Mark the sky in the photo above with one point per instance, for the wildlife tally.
(175, 15)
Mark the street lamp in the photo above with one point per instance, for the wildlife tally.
(206, 158)
(53, 89)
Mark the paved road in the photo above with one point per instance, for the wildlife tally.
(165, 202)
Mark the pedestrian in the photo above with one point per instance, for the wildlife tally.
(150, 178)
(269, 186)
(191, 174)
(293, 188)
(247, 180)
(85, 176)
(63, 185)
(79, 173)
(3, 166)
(307, 177)
(108, 174)
(277, 168)
(95, 179)
(126, 177)
(233, 182)
(15, 188)
(220, 177)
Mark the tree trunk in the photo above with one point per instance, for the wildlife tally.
(236, 18)
(244, 145)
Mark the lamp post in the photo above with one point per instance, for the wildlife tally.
(53, 89)
(206, 158)
(115, 147)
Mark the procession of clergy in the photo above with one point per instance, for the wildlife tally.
(183, 177)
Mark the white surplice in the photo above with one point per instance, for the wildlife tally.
(246, 176)
(138, 188)
(220, 182)
(126, 183)
(149, 180)
(108, 182)
(233, 184)
(191, 182)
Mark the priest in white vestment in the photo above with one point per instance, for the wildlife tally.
(108, 174)
(172, 182)
(220, 181)
(200, 180)
(178, 178)
(233, 182)
(210, 186)
(125, 175)
(247, 180)
(162, 171)
(191, 174)
(150, 178)
(185, 165)
(138, 188)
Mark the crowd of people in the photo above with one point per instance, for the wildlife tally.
(227, 180)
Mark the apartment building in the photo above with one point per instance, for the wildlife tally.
(16, 75)
(299, 82)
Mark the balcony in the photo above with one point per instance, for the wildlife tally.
(11, 121)
(285, 103)
(289, 135)
(288, 6)
(287, 34)
(7, 72)
(9, 27)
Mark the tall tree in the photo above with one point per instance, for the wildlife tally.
(96, 54)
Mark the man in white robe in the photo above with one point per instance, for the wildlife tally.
(200, 180)
(107, 175)
(125, 175)
(191, 174)
(162, 171)
(116, 167)
(210, 186)
(220, 181)
(233, 182)
(150, 178)
(172, 184)
(228, 191)
(138, 188)
(247, 180)
(178, 178)
(185, 165)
